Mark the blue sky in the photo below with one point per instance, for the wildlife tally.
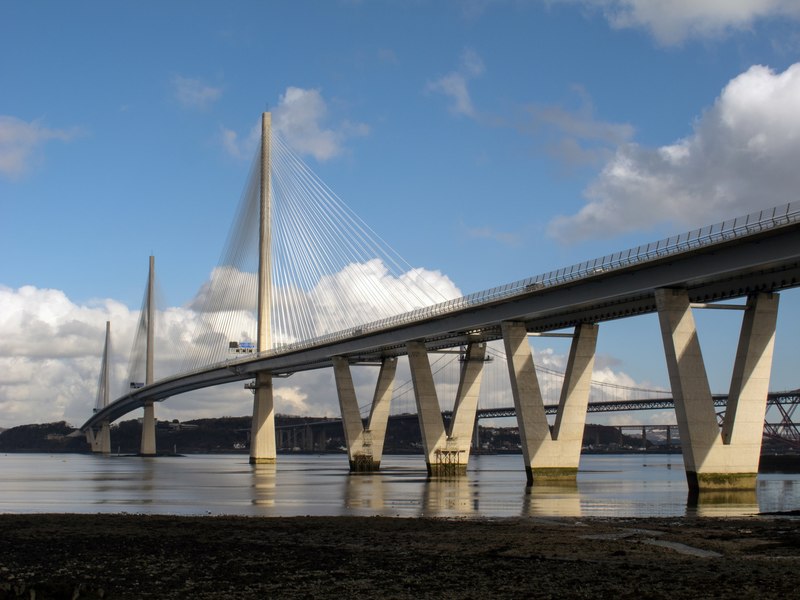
(487, 140)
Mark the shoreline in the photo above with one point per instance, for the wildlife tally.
(161, 556)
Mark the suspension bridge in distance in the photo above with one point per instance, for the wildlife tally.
(751, 257)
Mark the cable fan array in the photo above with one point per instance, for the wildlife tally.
(137, 361)
(330, 271)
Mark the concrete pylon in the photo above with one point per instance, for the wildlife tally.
(262, 432)
(100, 440)
(550, 455)
(364, 444)
(148, 447)
(714, 459)
(446, 453)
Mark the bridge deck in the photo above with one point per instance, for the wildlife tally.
(729, 262)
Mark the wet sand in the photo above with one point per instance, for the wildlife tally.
(137, 556)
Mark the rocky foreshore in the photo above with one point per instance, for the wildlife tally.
(137, 556)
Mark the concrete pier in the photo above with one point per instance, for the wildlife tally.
(550, 455)
(148, 447)
(446, 453)
(262, 432)
(364, 444)
(717, 459)
(100, 440)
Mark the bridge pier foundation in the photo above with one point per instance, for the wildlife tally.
(262, 432)
(550, 455)
(364, 444)
(100, 440)
(717, 459)
(446, 453)
(148, 446)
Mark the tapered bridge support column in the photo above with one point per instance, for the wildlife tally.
(100, 440)
(446, 453)
(148, 447)
(714, 459)
(550, 455)
(262, 432)
(364, 444)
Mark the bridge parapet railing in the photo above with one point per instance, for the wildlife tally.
(726, 230)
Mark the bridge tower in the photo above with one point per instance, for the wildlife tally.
(100, 441)
(148, 446)
(715, 459)
(262, 435)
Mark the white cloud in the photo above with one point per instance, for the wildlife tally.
(741, 157)
(300, 117)
(21, 144)
(454, 84)
(194, 93)
(50, 354)
(50, 347)
(675, 21)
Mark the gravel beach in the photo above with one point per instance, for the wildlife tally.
(137, 556)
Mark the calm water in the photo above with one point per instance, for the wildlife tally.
(615, 485)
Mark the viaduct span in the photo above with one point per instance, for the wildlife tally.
(749, 258)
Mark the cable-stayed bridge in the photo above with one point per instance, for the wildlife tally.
(304, 284)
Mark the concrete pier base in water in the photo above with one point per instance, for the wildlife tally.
(550, 454)
(262, 432)
(101, 440)
(551, 474)
(712, 482)
(727, 458)
(148, 447)
(446, 453)
(364, 444)
(364, 463)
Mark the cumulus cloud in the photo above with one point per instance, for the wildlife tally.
(50, 357)
(673, 22)
(241, 148)
(21, 144)
(454, 84)
(50, 347)
(356, 294)
(194, 93)
(739, 158)
(301, 117)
